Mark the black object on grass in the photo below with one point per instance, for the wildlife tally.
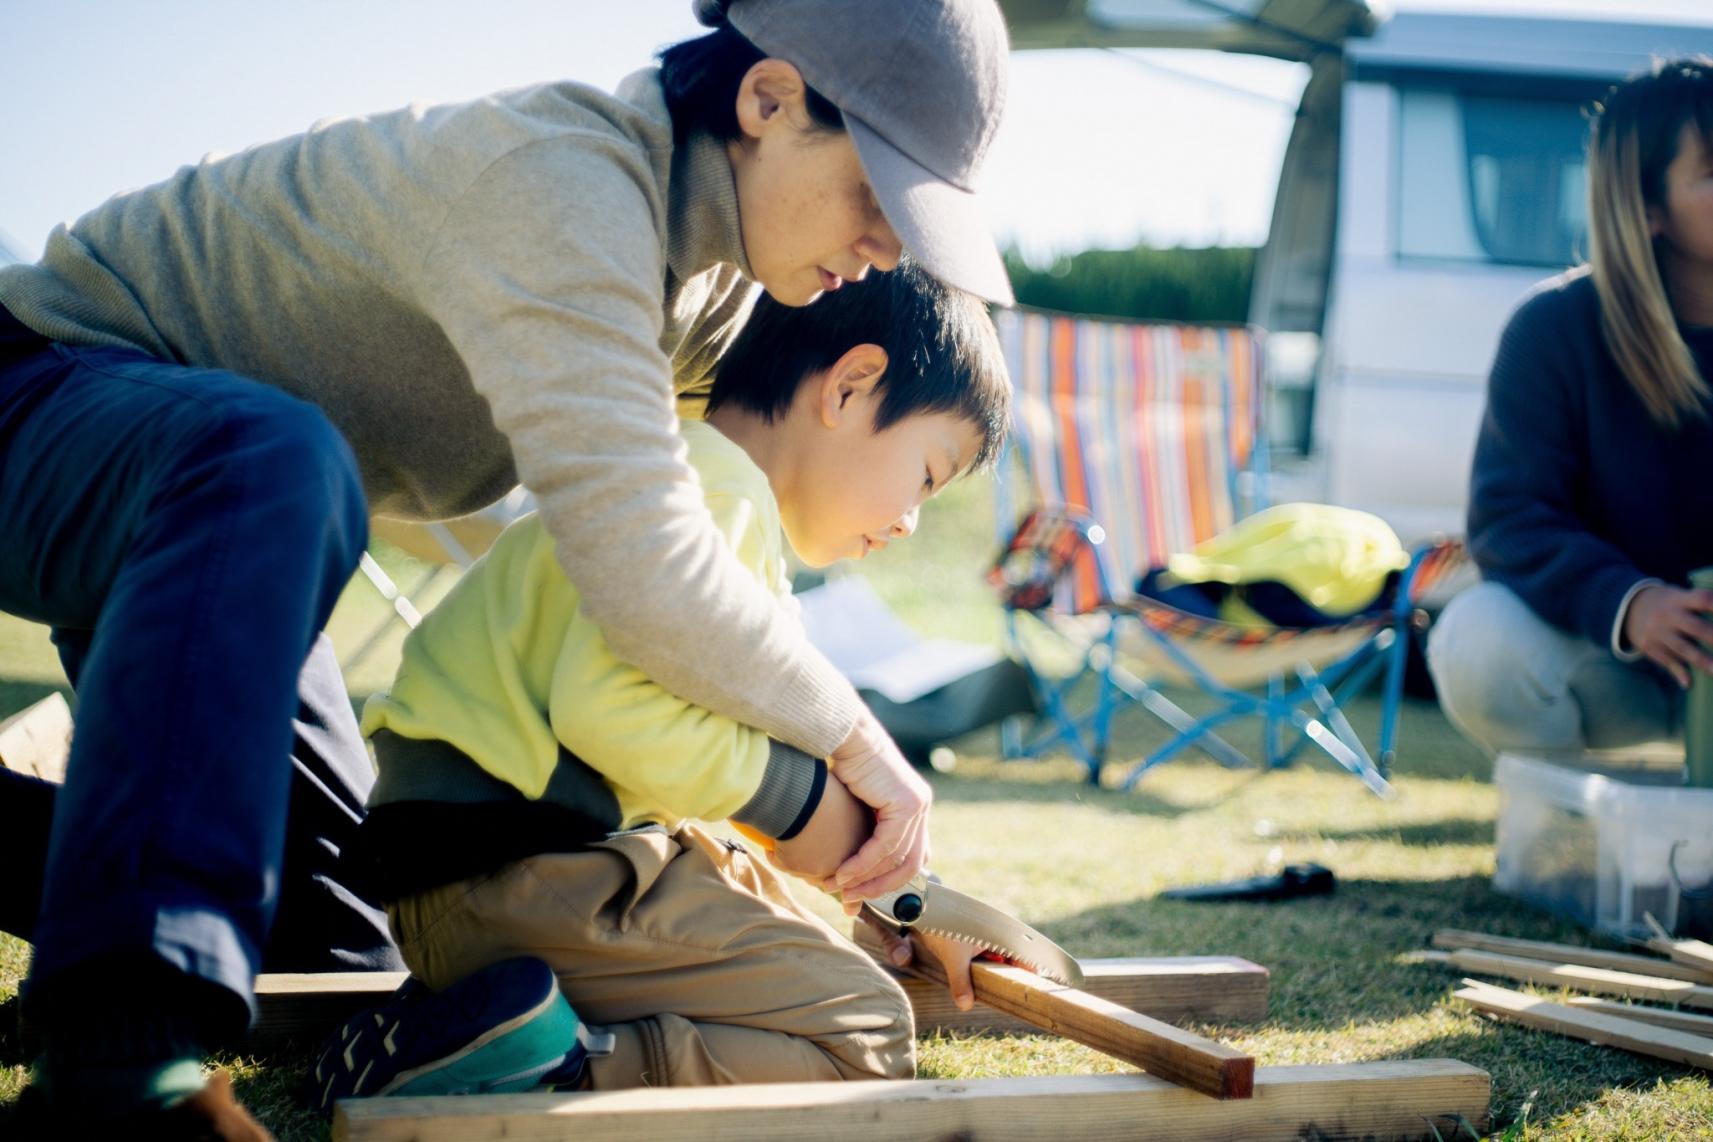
(1292, 880)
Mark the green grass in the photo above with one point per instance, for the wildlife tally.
(1087, 865)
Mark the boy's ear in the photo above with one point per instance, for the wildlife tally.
(768, 88)
(852, 376)
(1656, 220)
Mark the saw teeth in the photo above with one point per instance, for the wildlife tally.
(1023, 961)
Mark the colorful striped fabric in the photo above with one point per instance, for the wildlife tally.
(1146, 428)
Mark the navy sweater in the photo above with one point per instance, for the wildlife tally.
(1577, 493)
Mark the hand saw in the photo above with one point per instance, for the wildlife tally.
(932, 907)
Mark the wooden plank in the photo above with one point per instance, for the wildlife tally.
(1157, 1047)
(37, 739)
(305, 1008)
(1206, 989)
(1697, 954)
(1453, 938)
(1201, 989)
(1210, 989)
(1593, 1026)
(1411, 1099)
(1659, 1016)
(1600, 980)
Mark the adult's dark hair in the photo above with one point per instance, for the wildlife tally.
(941, 350)
(701, 78)
(1636, 135)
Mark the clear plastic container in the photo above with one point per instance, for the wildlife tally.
(1602, 847)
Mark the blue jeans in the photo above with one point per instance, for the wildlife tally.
(185, 532)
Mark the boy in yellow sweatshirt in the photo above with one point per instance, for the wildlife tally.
(539, 797)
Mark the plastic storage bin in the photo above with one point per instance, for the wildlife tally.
(1604, 847)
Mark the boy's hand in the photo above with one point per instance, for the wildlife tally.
(954, 957)
(869, 764)
(836, 829)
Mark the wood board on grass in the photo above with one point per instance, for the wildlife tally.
(1692, 953)
(1659, 1016)
(1183, 1057)
(1411, 1099)
(1592, 1026)
(37, 739)
(303, 1008)
(1598, 980)
(1453, 939)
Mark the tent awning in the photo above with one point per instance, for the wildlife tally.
(1285, 29)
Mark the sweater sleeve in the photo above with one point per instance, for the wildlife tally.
(1530, 474)
(646, 741)
(547, 276)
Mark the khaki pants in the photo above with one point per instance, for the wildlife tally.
(691, 951)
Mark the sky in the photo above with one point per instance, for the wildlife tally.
(1097, 149)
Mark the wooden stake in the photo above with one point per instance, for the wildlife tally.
(1569, 954)
(1697, 954)
(1159, 1048)
(1659, 1016)
(1414, 1099)
(1580, 1023)
(1600, 980)
(1210, 989)
(36, 739)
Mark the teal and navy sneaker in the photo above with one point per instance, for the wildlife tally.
(504, 1028)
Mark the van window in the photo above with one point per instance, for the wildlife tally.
(1490, 178)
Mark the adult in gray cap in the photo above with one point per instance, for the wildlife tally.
(208, 385)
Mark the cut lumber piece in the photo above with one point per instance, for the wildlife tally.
(1414, 1099)
(1205, 989)
(1454, 938)
(305, 1007)
(1210, 989)
(1697, 954)
(1599, 980)
(1595, 1027)
(1659, 1016)
(1157, 1047)
(37, 739)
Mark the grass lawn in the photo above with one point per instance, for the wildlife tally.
(1340, 991)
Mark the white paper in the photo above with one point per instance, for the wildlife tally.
(873, 647)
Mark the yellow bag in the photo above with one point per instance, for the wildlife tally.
(1335, 559)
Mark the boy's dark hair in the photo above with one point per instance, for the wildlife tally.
(941, 349)
(701, 77)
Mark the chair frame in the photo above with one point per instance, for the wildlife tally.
(1298, 708)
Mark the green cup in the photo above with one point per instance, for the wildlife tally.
(1698, 724)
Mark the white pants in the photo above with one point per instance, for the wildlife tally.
(1512, 681)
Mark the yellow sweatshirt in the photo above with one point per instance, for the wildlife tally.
(509, 671)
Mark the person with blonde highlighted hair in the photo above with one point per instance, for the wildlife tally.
(1591, 499)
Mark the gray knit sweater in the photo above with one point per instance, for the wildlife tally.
(503, 290)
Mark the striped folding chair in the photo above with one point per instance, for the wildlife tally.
(1138, 442)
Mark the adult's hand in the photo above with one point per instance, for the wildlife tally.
(1669, 626)
(869, 764)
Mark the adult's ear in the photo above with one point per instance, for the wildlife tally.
(772, 92)
(850, 381)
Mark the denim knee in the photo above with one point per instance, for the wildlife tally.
(288, 455)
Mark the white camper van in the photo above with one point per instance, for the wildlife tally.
(1435, 172)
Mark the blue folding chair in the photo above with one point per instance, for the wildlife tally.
(1138, 442)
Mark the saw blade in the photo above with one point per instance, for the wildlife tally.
(954, 915)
